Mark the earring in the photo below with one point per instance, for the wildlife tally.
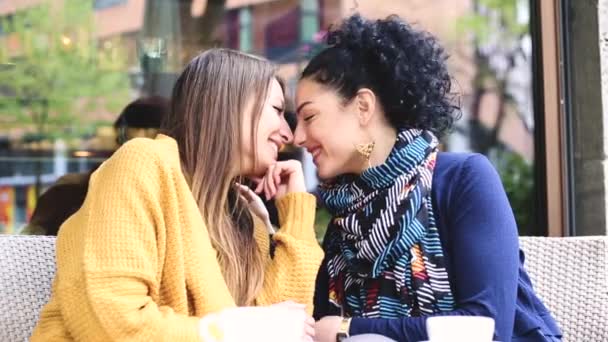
(366, 150)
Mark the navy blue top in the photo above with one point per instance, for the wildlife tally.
(483, 260)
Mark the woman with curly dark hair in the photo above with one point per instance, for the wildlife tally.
(415, 232)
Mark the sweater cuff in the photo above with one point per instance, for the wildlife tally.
(186, 330)
(360, 325)
(297, 214)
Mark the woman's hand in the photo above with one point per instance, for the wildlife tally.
(256, 205)
(326, 329)
(281, 178)
(286, 321)
(309, 326)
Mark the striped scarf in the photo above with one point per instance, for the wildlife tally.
(383, 249)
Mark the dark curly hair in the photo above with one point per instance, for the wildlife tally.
(406, 69)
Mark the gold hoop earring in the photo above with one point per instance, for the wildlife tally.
(365, 150)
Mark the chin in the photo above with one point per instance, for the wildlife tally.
(263, 165)
(324, 174)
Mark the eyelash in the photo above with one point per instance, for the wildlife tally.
(279, 109)
(308, 118)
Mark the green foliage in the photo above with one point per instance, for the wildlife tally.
(498, 17)
(517, 177)
(498, 32)
(322, 219)
(60, 72)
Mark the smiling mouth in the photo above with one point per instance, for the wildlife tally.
(275, 146)
(315, 152)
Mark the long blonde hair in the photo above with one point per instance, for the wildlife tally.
(207, 112)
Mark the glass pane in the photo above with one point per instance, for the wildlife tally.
(490, 50)
(66, 78)
(101, 4)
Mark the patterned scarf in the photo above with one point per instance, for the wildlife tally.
(384, 254)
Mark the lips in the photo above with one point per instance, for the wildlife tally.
(315, 152)
(276, 146)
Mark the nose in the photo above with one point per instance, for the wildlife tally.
(285, 132)
(299, 136)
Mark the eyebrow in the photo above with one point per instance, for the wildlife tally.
(302, 106)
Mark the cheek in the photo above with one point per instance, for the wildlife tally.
(339, 150)
(337, 138)
(323, 130)
(269, 122)
(246, 138)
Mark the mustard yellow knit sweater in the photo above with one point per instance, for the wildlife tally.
(135, 262)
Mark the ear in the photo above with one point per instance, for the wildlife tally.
(365, 102)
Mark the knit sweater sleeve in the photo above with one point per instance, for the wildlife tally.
(110, 297)
(290, 274)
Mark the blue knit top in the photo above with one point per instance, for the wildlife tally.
(485, 266)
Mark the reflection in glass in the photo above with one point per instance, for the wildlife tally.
(110, 52)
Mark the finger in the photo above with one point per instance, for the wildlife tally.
(243, 198)
(244, 191)
(277, 174)
(242, 188)
(290, 166)
(259, 187)
(277, 178)
(266, 188)
(270, 180)
(251, 196)
(257, 181)
(309, 331)
(272, 186)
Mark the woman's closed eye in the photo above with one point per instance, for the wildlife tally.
(309, 117)
(280, 110)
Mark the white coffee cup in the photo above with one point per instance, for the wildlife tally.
(460, 329)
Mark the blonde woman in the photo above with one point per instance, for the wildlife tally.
(165, 247)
